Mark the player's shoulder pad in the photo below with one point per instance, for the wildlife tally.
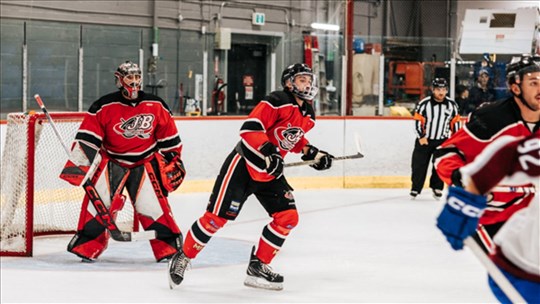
(152, 97)
(104, 100)
(490, 118)
(279, 98)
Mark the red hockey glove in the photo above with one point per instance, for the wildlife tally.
(324, 158)
(172, 172)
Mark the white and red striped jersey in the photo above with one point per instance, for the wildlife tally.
(485, 125)
(513, 161)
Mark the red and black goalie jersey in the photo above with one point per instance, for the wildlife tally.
(130, 131)
(277, 119)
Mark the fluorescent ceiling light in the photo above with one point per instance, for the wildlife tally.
(325, 26)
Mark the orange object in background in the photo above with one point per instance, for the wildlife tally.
(411, 78)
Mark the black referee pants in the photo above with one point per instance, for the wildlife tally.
(421, 157)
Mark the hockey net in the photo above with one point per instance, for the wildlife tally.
(34, 200)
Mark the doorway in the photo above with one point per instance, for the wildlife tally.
(246, 77)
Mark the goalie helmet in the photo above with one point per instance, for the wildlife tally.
(291, 72)
(439, 83)
(521, 65)
(129, 79)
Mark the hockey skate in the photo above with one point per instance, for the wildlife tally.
(177, 266)
(437, 194)
(260, 275)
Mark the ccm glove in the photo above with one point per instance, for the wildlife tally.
(172, 172)
(273, 159)
(324, 159)
(459, 217)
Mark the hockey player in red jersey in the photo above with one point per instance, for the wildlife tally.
(275, 127)
(131, 137)
(518, 115)
(517, 250)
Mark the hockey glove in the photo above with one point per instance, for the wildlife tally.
(172, 172)
(324, 159)
(81, 165)
(273, 159)
(459, 217)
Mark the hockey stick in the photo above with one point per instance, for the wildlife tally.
(344, 157)
(494, 272)
(102, 210)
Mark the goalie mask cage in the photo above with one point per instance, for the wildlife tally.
(34, 200)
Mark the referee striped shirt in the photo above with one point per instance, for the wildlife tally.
(436, 120)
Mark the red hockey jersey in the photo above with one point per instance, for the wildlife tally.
(484, 126)
(130, 132)
(277, 119)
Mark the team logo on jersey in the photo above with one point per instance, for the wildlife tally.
(138, 125)
(288, 137)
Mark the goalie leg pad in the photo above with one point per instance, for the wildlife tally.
(201, 232)
(91, 242)
(153, 210)
(91, 238)
(275, 233)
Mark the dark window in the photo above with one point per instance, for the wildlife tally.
(503, 20)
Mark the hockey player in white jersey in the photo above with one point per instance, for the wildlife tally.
(517, 253)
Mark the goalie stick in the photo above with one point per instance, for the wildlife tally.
(90, 190)
(344, 157)
(494, 272)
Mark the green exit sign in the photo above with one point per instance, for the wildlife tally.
(258, 19)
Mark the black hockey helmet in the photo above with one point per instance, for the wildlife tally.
(300, 69)
(520, 65)
(129, 79)
(439, 83)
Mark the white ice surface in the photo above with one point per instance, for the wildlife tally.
(357, 245)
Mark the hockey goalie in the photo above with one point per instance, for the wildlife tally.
(127, 143)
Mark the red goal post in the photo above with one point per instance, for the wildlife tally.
(34, 200)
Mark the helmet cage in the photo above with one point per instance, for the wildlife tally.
(129, 79)
(291, 72)
(309, 92)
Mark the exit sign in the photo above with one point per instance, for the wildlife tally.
(258, 19)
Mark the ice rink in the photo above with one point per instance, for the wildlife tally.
(356, 245)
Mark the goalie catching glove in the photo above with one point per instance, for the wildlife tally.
(323, 159)
(172, 172)
(273, 159)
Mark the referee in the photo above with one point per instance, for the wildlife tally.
(436, 118)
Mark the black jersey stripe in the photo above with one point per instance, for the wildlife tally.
(132, 158)
(169, 143)
(89, 138)
(252, 125)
